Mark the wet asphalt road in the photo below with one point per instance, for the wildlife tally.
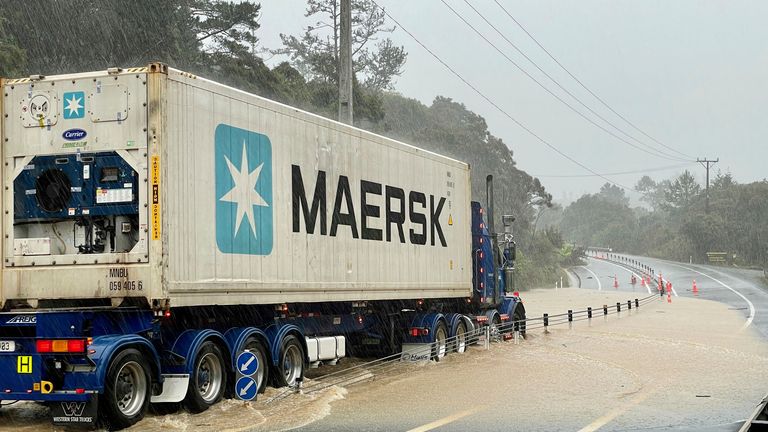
(743, 290)
(484, 405)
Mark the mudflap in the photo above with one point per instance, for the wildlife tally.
(80, 413)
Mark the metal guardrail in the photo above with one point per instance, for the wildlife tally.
(486, 334)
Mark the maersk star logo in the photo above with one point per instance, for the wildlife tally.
(74, 105)
(243, 191)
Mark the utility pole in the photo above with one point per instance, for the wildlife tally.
(345, 63)
(706, 163)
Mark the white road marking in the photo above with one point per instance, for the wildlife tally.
(673, 287)
(599, 285)
(749, 303)
(621, 409)
(445, 420)
(624, 268)
(662, 281)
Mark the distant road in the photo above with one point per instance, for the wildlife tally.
(744, 290)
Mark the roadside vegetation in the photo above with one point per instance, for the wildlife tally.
(675, 223)
(220, 40)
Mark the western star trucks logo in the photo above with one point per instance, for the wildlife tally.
(74, 105)
(243, 191)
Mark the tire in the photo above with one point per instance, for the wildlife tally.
(460, 339)
(290, 368)
(262, 373)
(440, 348)
(208, 380)
(127, 390)
(495, 331)
(519, 315)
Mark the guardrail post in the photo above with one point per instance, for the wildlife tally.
(618, 309)
(629, 305)
(589, 316)
(546, 323)
(570, 319)
(487, 337)
(605, 312)
(637, 304)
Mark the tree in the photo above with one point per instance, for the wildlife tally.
(653, 193)
(190, 34)
(722, 182)
(613, 194)
(316, 52)
(12, 57)
(682, 191)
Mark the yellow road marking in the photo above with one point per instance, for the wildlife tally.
(445, 420)
(621, 409)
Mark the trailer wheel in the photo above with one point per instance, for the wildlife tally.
(439, 348)
(519, 319)
(460, 339)
(255, 346)
(127, 390)
(208, 380)
(495, 330)
(290, 370)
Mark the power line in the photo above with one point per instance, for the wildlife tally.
(666, 168)
(605, 104)
(492, 103)
(557, 83)
(653, 152)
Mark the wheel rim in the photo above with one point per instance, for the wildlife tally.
(440, 340)
(130, 388)
(292, 364)
(261, 370)
(461, 339)
(209, 377)
(495, 328)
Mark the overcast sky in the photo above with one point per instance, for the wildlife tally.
(691, 74)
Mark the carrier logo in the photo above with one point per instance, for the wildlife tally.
(243, 191)
(74, 105)
(74, 134)
(23, 319)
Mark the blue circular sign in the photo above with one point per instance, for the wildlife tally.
(246, 388)
(247, 363)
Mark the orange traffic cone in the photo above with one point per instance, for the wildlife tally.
(615, 282)
(669, 297)
(695, 288)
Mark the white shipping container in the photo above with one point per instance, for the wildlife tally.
(236, 199)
